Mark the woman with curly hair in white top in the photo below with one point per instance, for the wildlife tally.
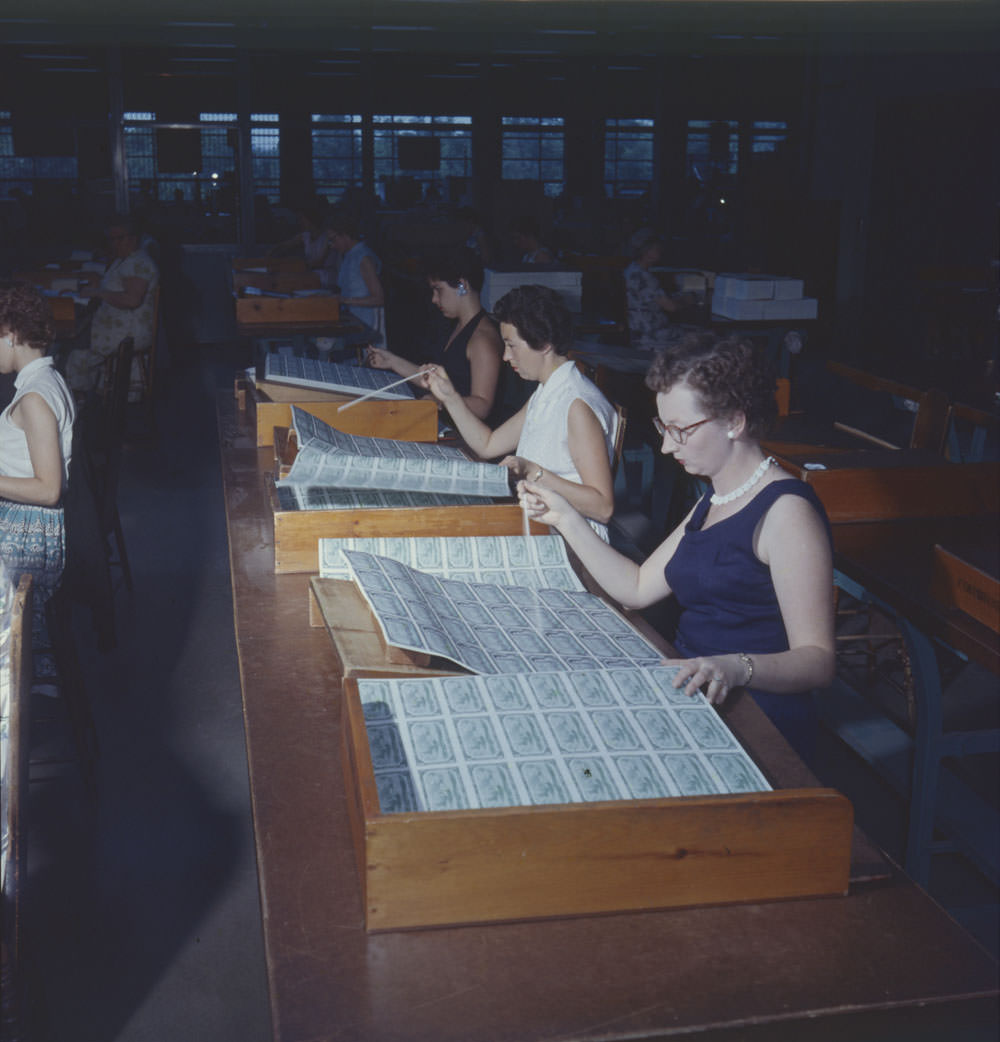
(36, 434)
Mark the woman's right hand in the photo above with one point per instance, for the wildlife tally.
(379, 358)
(439, 384)
(544, 505)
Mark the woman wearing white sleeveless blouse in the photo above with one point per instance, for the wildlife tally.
(36, 434)
(564, 435)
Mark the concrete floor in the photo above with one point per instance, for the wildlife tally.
(144, 916)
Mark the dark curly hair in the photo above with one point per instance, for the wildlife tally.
(539, 315)
(26, 315)
(344, 223)
(453, 265)
(725, 373)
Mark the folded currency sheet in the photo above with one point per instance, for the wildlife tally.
(537, 561)
(331, 458)
(497, 629)
(450, 743)
(331, 376)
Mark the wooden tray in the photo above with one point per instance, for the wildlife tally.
(270, 405)
(341, 607)
(296, 531)
(277, 281)
(270, 263)
(476, 866)
(280, 310)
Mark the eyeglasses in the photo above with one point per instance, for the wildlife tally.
(678, 434)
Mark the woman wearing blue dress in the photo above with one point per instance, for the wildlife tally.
(360, 286)
(750, 565)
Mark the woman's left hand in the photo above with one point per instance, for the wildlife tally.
(717, 675)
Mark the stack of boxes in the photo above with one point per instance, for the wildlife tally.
(761, 298)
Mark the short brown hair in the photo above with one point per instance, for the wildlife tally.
(725, 373)
(26, 315)
(539, 315)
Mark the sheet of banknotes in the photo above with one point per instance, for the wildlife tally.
(451, 743)
(330, 458)
(539, 562)
(321, 375)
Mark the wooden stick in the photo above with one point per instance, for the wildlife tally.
(378, 391)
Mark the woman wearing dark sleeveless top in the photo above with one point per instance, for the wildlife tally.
(751, 564)
(472, 353)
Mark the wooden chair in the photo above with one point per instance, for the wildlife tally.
(915, 755)
(106, 447)
(17, 665)
(972, 434)
(147, 367)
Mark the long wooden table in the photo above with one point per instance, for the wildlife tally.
(884, 955)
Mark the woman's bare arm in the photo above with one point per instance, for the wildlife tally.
(41, 429)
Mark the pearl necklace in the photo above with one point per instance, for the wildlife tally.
(716, 500)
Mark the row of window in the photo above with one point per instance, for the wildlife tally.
(425, 153)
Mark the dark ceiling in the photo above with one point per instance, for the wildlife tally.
(512, 26)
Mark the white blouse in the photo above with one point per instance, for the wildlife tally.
(39, 377)
(545, 434)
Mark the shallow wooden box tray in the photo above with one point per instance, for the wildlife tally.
(269, 405)
(279, 310)
(479, 866)
(277, 281)
(296, 532)
(340, 606)
(269, 263)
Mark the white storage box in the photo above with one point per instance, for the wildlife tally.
(804, 308)
(744, 310)
(744, 287)
(497, 281)
(787, 288)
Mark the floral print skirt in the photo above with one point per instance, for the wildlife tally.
(33, 539)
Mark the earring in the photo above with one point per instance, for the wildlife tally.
(730, 434)
(461, 289)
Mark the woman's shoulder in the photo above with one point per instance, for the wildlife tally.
(789, 503)
(485, 342)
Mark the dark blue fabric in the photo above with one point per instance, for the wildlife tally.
(727, 600)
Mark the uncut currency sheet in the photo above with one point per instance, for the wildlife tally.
(332, 376)
(496, 629)
(537, 561)
(328, 457)
(450, 743)
(322, 497)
